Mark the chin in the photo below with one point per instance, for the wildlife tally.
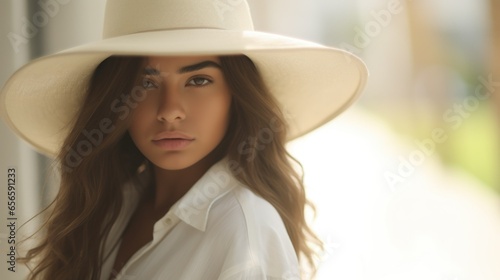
(174, 163)
(179, 160)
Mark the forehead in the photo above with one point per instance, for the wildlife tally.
(176, 62)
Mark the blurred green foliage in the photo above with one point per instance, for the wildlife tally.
(474, 146)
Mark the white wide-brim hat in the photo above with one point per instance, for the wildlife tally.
(312, 82)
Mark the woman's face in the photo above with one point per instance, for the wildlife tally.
(182, 112)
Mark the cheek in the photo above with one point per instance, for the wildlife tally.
(220, 111)
(134, 129)
(135, 121)
(213, 115)
(140, 117)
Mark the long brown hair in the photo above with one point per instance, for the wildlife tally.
(98, 158)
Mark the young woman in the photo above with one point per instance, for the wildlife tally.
(170, 135)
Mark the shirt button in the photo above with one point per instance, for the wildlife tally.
(168, 221)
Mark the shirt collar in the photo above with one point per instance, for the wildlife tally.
(194, 206)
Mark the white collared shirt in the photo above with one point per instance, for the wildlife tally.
(218, 230)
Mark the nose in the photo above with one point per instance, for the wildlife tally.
(171, 107)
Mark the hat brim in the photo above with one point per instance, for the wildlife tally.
(313, 83)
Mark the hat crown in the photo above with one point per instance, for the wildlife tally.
(124, 17)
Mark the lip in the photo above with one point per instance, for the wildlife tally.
(169, 135)
(172, 140)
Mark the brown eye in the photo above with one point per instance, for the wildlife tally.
(148, 84)
(199, 81)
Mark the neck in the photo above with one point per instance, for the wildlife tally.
(170, 185)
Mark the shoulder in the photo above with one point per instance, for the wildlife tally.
(254, 237)
(245, 211)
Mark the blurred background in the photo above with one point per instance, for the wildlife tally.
(405, 183)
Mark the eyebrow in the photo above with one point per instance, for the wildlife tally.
(151, 71)
(185, 69)
(199, 66)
